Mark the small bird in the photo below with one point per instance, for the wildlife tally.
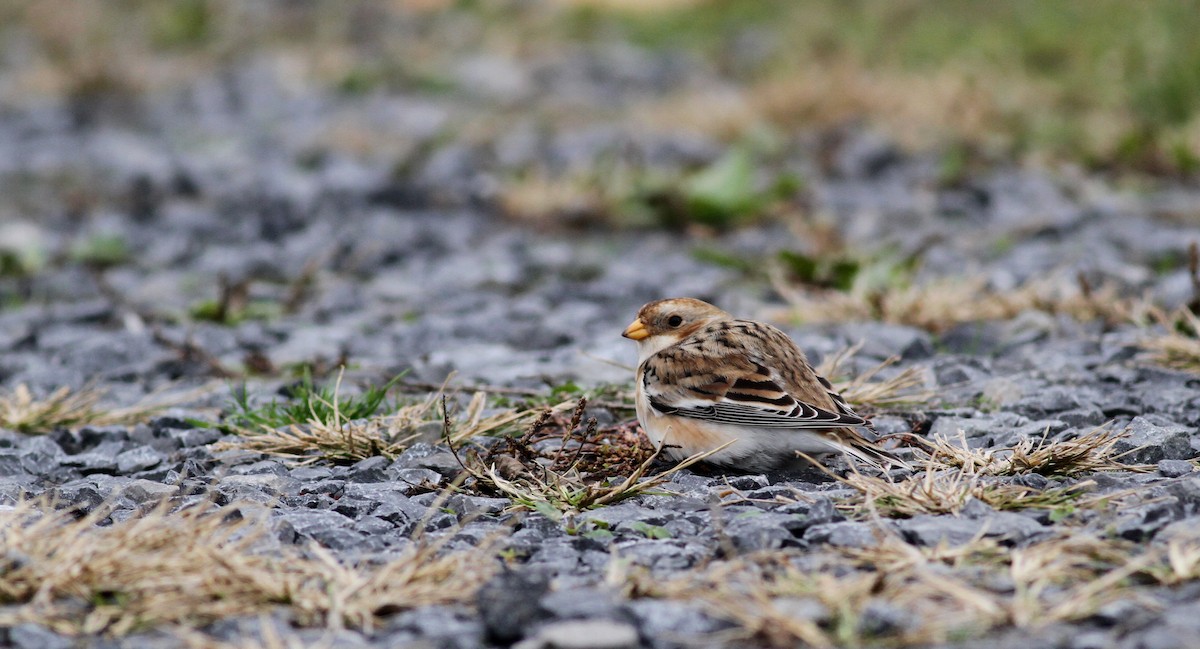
(705, 378)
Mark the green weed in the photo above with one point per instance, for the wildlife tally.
(307, 402)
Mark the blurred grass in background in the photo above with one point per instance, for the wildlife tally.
(1110, 84)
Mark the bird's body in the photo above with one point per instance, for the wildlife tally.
(705, 379)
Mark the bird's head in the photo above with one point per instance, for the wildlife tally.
(663, 323)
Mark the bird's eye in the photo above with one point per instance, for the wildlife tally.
(674, 321)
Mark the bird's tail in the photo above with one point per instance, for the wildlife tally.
(873, 455)
(876, 456)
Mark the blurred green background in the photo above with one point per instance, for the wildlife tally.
(1109, 84)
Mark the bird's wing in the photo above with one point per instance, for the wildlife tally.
(727, 380)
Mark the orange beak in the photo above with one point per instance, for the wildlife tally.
(636, 330)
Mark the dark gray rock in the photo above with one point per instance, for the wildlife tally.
(19, 486)
(334, 488)
(509, 605)
(157, 436)
(11, 462)
(1051, 401)
(979, 426)
(80, 495)
(40, 452)
(463, 505)
(1151, 439)
(1175, 468)
(624, 515)
(582, 603)
(330, 529)
(847, 534)
(424, 456)
(766, 531)
(1087, 417)
(663, 555)
(261, 467)
(747, 482)
(312, 473)
(138, 458)
(145, 491)
(880, 618)
(372, 469)
(865, 155)
(417, 479)
(29, 635)
(373, 526)
(1006, 527)
(89, 437)
(1092, 640)
(970, 339)
(197, 436)
(268, 484)
(406, 514)
(659, 619)
(100, 459)
(1143, 521)
(1124, 615)
(441, 626)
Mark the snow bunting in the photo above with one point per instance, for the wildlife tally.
(705, 378)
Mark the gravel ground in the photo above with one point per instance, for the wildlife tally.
(128, 220)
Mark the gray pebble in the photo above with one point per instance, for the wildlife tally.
(583, 634)
(1175, 468)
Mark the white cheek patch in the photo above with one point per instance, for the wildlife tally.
(648, 347)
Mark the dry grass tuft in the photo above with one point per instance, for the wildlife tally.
(953, 474)
(545, 200)
(342, 440)
(773, 598)
(942, 304)
(199, 565)
(589, 467)
(20, 410)
(1070, 577)
(1179, 347)
(1090, 452)
(783, 599)
(1182, 562)
(904, 388)
(947, 491)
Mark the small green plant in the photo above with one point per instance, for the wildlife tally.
(728, 192)
(101, 250)
(22, 250)
(214, 311)
(307, 402)
(650, 531)
(360, 80)
(725, 260)
(837, 272)
(234, 303)
(183, 23)
(601, 535)
(724, 193)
